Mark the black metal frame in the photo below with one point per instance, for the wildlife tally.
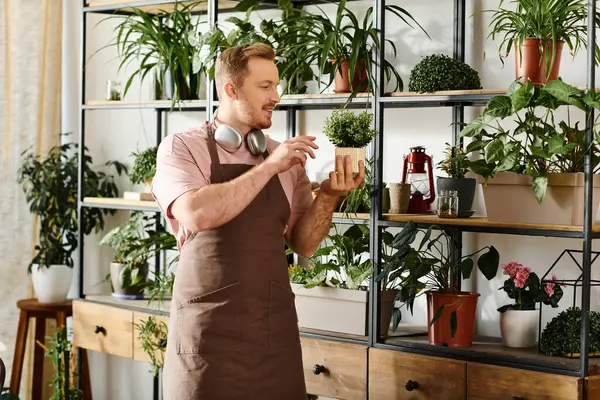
(379, 102)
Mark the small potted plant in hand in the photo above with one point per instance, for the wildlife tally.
(350, 133)
(456, 165)
(518, 321)
(144, 168)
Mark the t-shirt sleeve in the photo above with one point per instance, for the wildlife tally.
(302, 198)
(177, 172)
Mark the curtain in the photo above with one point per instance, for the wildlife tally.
(30, 78)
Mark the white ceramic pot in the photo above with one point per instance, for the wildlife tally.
(519, 328)
(51, 284)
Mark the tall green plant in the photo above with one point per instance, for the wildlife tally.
(50, 186)
(552, 20)
(159, 44)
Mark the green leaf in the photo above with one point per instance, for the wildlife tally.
(499, 107)
(406, 236)
(555, 145)
(466, 267)
(522, 96)
(437, 315)
(565, 93)
(453, 323)
(480, 167)
(509, 162)
(488, 263)
(540, 185)
(592, 99)
(494, 151)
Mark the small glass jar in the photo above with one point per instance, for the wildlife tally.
(113, 90)
(447, 204)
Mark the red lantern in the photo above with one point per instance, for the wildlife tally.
(422, 192)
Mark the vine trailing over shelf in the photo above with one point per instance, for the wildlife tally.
(153, 337)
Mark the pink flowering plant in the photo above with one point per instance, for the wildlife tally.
(527, 289)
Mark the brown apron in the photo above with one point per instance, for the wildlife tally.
(233, 330)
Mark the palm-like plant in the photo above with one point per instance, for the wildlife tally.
(548, 20)
(159, 44)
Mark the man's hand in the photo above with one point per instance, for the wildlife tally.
(342, 181)
(290, 153)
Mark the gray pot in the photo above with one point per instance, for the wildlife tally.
(465, 188)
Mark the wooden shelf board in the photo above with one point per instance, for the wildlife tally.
(136, 104)
(481, 221)
(107, 202)
(491, 347)
(156, 7)
(161, 308)
(450, 93)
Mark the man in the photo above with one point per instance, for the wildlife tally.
(233, 204)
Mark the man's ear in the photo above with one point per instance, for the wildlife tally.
(231, 91)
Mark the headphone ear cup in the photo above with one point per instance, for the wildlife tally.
(256, 142)
(228, 138)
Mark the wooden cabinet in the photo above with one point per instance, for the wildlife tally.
(335, 369)
(399, 375)
(103, 328)
(489, 382)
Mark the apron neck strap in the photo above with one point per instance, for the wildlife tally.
(212, 143)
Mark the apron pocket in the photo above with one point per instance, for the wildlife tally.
(283, 320)
(210, 323)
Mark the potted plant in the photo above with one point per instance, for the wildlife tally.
(294, 70)
(144, 168)
(438, 72)
(456, 166)
(426, 269)
(533, 174)
(332, 292)
(158, 43)
(343, 47)
(350, 133)
(562, 335)
(50, 185)
(538, 29)
(129, 266)
(519, 320)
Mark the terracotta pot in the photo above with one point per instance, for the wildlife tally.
(465, 304)
(342, 80)
(530, 63)
(509, 197)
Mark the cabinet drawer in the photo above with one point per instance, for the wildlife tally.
(397, 375)
(344, 369)
(103, 328)
(138, 351)
(489, 382)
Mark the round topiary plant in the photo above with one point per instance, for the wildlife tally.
(144, 166)
(562, 335)
(438, 72)
(350, 133)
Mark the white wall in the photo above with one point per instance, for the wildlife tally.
(115, 134)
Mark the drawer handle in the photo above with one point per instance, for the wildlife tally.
(100, 329)
(411, 385)
(317, 369)
(162, 343)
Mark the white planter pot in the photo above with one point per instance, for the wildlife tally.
(339, 310)
(519, 328)
(51, 284)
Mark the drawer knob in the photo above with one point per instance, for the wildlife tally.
(162, 342)
(411, 385)
(100, 329)
(518, 398)
(317, 369)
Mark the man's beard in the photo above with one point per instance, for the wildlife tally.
(254, 118)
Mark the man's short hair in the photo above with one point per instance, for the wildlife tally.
(232, 63)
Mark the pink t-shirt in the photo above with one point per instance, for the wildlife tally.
(183, 164)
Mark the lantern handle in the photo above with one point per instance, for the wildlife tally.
(431, 197)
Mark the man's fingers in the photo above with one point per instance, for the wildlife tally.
(361, 174)
(303, 147)
(339, 165)
(348, 175)
(333, 181)
(308, 140)
(300, 156)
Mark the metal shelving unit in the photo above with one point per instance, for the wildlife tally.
(379, 102)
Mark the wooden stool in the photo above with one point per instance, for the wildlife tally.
(31, 308)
